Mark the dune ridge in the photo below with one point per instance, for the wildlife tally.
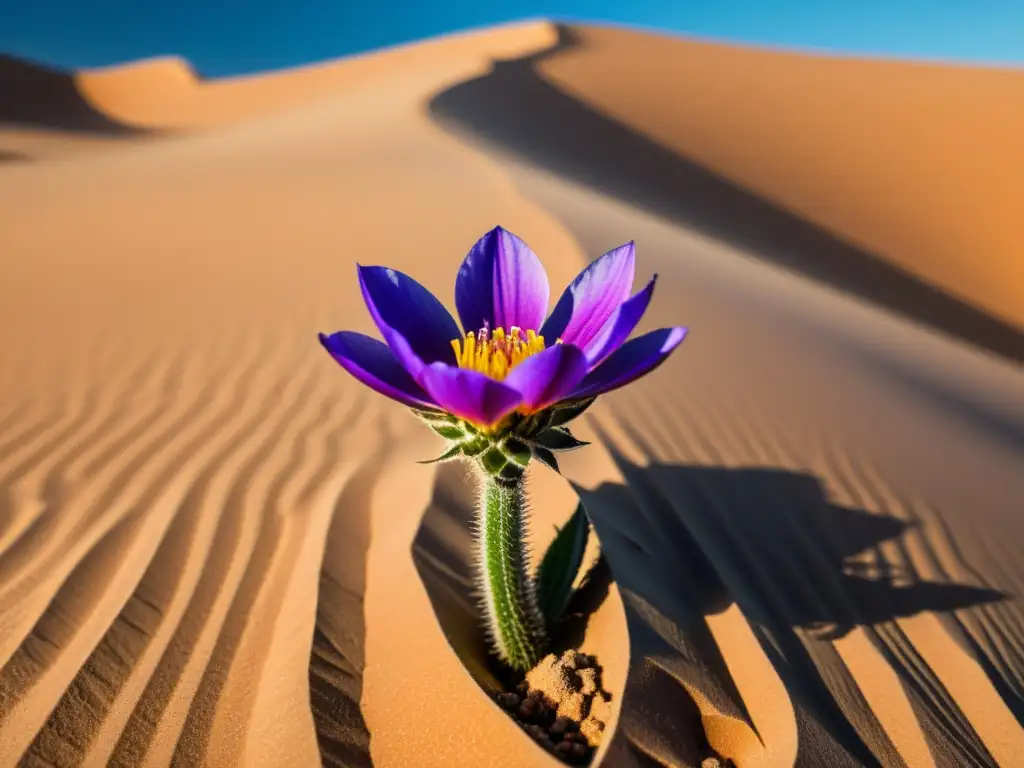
(843, 142)
(216, 548)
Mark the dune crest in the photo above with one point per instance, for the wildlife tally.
(167, 93)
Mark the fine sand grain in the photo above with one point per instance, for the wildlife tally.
(217, 549)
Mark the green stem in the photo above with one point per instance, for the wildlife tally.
(515, 624)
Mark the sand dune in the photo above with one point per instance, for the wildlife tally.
(920, 164)
(215, 549)
(40, 97)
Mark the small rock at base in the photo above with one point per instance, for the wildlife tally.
(508, 701)
(561, 725)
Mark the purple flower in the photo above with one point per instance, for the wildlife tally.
(507, 358)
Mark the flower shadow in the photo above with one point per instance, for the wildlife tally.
(686, 543)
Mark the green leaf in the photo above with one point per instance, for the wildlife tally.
(544, 456)
(560, 565)
(559, 439)
(567, 413)
(451, 453)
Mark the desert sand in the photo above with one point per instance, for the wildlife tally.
(216, 548)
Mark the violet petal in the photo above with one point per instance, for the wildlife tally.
(548, 376)
(501, 284)
(629, 362)
(469, 394)
(413, 322)
(591, 298)
(371, 362)
(620, 325)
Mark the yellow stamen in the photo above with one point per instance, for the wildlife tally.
(495, 353)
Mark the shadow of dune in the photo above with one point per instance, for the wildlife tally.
(514, 108)
(8, 157)
(688, 541)
(37, 96)
(337, 658)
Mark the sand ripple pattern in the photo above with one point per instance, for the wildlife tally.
(152, 533)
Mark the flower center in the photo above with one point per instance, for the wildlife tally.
(495, 353)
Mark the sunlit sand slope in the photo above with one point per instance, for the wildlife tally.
(921, 164)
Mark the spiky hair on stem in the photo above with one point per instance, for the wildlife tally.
(513, 622)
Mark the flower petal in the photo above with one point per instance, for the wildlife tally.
(591, 298)
(401, 307)
(469, 394)
(370, 361)
(631, 361)
(501, 284)
(620, 325)
(548, 376)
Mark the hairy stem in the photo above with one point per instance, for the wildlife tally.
(514, 622)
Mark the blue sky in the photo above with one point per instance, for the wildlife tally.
(222, 37)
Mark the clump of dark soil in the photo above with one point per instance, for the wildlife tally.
(562, 705)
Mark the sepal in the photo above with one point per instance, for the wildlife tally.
(567, 413)
(546, 457)
(454, 450)
(557, 439)
(505, 459)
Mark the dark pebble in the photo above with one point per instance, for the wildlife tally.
(537, 697)
(561, 725)
(538, 733)
(508, 701)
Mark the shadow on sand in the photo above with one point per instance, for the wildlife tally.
(36, 96)
(337, 658)
(9, 158)
(516, 109)
(687, 542)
